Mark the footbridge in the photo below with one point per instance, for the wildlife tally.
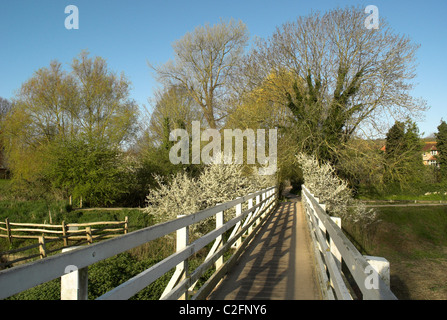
(260, 247)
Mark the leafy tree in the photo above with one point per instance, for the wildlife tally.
(75, 121)
(441, 146)
(90, 169)
(395, 141)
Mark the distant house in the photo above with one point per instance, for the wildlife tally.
(429, 153)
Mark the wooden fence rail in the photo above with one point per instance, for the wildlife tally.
(81, 233)
(243, 227)
(334, 251)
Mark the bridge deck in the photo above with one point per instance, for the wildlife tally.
(278, 264)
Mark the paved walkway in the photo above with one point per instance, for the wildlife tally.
(278, 264)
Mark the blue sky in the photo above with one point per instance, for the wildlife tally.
(130, 33)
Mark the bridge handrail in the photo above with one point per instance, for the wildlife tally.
(23, 277)
(327, 233)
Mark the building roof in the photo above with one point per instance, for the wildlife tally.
(429, 146)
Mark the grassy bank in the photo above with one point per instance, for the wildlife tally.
(414, 240)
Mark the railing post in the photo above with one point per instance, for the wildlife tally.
(381, 266)
(251, 216)
(258, 201)
(333, 247)
(74, 284)
(181, 242)
(238, 213)
(219, 223)
(263, 199)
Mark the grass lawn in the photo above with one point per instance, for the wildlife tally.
(414, 240)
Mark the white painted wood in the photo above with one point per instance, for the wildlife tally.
(22, 277)
(139, 282)
(381, 266)
(335, 252)
(356, 263)
(336, 279)
(219, 239)
(74, 284)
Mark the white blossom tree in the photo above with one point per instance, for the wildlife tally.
(323, 183)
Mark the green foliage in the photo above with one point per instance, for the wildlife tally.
(90, 169)
(64, 131)
(110, 273)
(403, 157)
(441, 146)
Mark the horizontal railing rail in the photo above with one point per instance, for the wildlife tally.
(245, 224)
(333, 249)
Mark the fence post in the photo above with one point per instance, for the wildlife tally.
(88, 234)
(126, 225)
(8, 231)
(74, 284)
(181, 242)
(42, 247)
(64, 233)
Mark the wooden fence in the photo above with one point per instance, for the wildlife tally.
(77, 233)
(338, 260)
(243, 227)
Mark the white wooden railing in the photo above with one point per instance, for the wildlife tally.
(333, 249)
(245, 225)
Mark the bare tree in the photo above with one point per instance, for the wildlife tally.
(174, 108)
(204, 62)
(348, 78)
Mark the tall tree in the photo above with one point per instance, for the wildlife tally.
(441, 146)
(56, 113)
(403, 155)
(395, 141)
(204, 62)
(347, 76)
